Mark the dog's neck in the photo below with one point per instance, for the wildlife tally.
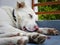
(16, 17)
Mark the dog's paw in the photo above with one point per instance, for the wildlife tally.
(22, 41)
(10, 43)
(37, 38)
(53, 32)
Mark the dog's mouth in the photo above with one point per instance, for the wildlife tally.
(30, 29)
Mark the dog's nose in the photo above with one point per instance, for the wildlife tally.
(36, 27)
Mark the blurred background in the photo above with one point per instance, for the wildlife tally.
(48, 8)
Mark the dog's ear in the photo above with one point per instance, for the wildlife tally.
(20, 5)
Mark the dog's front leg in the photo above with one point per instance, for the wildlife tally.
(33, 36)
(48, 31)
(14, 40)
(36, 37)
(12, 35)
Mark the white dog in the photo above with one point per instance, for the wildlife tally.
(17, 25)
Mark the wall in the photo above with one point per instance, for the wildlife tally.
(13, 3)
(8, 3)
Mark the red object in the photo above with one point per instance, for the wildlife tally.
(36, 27)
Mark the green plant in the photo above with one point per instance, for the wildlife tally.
(48, 8)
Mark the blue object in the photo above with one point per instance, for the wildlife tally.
(55, 40)
(49, 23)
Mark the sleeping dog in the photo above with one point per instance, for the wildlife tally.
(18, 26)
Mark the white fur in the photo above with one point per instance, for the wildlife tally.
(9, 27)
(7, 40)
(25, 18)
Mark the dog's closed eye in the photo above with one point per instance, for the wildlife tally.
(30, 16)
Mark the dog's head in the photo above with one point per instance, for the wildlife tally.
(27, 17)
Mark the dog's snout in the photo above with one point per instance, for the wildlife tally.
(36, 27)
